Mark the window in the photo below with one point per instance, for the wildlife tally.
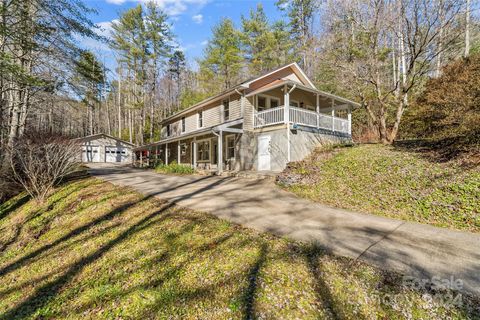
(183, 149)
(274, 103)
(183, 124)
(230, 147)
(169, 130)
(294, 103)
(261, 103)
(226, 109)
(267, 102)
(203, 150)
(200, 119)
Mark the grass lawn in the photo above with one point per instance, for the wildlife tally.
(97, 251)
(392, 182)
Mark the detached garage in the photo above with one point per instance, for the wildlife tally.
(104, 148)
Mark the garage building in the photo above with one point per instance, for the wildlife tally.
(105, 148)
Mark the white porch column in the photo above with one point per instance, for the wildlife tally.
(166, 153)
(333, 115)
(156, 154)
(194, 152)
(141, 158)
(178, 152)
(318, 110)
(349, 116)
(220, 152)
(286, 118)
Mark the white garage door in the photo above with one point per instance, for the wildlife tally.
(116, 154)
(90, 154)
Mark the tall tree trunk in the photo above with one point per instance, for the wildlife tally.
(467, 30)
(130, 125)
(440, 41)
(109, 124)
(119, 106)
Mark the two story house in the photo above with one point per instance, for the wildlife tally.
(260, 124)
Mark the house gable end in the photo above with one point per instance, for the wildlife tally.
(291, 72)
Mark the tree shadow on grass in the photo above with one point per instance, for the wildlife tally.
(248, 297)
(464, 148)
(4, 212)
(312, 253)
(23, 260)
(45, 293)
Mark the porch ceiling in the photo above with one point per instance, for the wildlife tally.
(325, 95)
(222, 127)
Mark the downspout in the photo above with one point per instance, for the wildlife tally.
(219, 136)
(287, 120)
(242, 102)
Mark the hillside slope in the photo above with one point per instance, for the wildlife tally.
(390, 181)
(96, 251)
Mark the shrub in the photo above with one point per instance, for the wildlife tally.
(38, 162)
(174, 168)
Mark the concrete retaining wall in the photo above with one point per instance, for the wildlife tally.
(302, 142)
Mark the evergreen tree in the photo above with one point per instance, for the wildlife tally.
(91, 79)
(301, 16)
(222, 63)
(265, 46)
(142, 38)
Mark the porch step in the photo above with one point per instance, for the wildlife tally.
(263, 175)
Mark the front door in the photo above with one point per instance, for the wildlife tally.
(264, 153)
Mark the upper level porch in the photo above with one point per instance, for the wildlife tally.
(296, 105)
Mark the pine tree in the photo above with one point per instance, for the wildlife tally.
(221, 66)
(91, 79)
(301, 16)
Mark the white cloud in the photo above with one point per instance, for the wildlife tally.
(171, 7)
(104, 30)
(204, 42)
(198, 18)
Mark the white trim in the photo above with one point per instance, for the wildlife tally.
(232, 136)
(294, 101)
(268, 99)
(183, 124)
(198, 119)
(222, 109)
(209, 150)
(295, 65)
(93, 136)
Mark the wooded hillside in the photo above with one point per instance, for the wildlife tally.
(380, 53)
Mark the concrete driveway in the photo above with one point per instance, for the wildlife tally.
(410, 248)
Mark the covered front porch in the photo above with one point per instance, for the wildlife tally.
(286, 102)
(209, 150)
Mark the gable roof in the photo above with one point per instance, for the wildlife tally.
(295, 68)
(103, 135)
(243, 86)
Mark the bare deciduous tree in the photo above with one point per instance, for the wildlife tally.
(39, 162)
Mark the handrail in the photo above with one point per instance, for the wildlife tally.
(301, 116)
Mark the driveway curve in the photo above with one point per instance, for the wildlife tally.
(410, 248)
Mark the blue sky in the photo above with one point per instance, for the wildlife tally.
(192, 20)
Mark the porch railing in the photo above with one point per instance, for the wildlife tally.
(269, 117)
(302, 117)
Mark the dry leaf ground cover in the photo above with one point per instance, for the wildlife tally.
(392, 182)
(97, 251)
